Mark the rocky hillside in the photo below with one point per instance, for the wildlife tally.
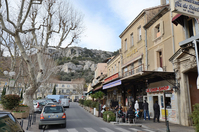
(77, 62)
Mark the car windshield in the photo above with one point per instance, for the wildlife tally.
(53, 109)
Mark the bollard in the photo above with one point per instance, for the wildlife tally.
(167, 122)
(107, 117)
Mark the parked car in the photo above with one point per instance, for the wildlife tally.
(38, 105)
(8, 123)
(52, 115)
(65, 102)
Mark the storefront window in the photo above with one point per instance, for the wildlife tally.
(168, 102)
(162, 102)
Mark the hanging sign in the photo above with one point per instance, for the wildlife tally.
(163, 88)
(185, 7)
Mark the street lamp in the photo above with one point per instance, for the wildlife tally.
(11, 81)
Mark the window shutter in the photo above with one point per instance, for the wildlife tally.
(162, 28)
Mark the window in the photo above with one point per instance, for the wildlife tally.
(118, 66)
(140, 65)
(125, 44)
(132, 40)
(74, 91)
(62, 85)
(62, 90)
(68, 86)
(68, 90)
(157, 31)
(112, 71)
(125, 71)
(139, 33)
(190, 28)
(132, 68)
(160, 59)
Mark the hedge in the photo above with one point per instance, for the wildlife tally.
(111, 116)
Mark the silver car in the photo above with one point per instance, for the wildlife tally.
(53, 114)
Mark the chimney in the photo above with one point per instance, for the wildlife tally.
(163, 2)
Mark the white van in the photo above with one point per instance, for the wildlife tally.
(65, 102)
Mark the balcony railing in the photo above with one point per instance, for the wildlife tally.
(133, 71)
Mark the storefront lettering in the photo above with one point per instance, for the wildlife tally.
(132, 52)
(192, 7)
(163, 88)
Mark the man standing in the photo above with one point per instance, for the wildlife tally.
(146, 109)
(156, 109)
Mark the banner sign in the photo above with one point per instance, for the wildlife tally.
(111, 78)
(157, 89)
(185, 7)
(112, 84)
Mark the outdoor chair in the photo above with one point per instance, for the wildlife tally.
(131, 118)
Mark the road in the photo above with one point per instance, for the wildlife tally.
(79, 120)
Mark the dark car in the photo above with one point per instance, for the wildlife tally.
(8, 123)
(52, 114)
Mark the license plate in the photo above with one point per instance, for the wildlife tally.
(53, 116)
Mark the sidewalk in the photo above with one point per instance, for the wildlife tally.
(162, 126)
(34, 125)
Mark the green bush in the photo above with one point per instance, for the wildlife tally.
(111, 116)
(81, 101)
(88, 103)
(10, 101)
(94, 105)
(195, 116)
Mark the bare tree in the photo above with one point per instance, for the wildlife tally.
(53, 24)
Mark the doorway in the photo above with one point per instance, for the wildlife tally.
(155, 98)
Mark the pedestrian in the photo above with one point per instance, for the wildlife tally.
(146, 109)
(130, 112)
(136, 106)
(156, 109)
(116, 107)
(121, 114)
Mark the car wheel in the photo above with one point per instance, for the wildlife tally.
(64, 125)
(40, 126)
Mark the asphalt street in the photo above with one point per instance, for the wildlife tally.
(79, 120)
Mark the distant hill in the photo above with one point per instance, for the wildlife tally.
(77, 62)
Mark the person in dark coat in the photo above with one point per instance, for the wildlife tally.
(156, 109)
(129, 112)
(146, 109)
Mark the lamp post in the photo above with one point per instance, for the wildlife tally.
(11, 81)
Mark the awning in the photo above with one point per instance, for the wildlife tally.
(112, 84)
(97, 88)
(151, 76)
(178, 19)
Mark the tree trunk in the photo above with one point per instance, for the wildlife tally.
(28, 98)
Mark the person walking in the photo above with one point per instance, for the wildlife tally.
(136, 106)
(156, 109)
(146, 109)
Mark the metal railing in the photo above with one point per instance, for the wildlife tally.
(133, 71)
(31, 120)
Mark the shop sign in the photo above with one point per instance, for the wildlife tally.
(186, 7)
(112, 84)
(111, 78)
(157, 89)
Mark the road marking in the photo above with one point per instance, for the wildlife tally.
(134, 129)
(90, 129)
(71, 130)
(53, 131)
(148, 130)
(122, 130)
(107, 129)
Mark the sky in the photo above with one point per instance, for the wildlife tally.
(105, 20)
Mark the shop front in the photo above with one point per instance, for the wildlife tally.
(114, 96)
(166, 97)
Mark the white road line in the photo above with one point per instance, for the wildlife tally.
(148, 130)
(53, 131)
(71, 130)
(122, 130)
(90, 130)
(134, 129)
(107, 129)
